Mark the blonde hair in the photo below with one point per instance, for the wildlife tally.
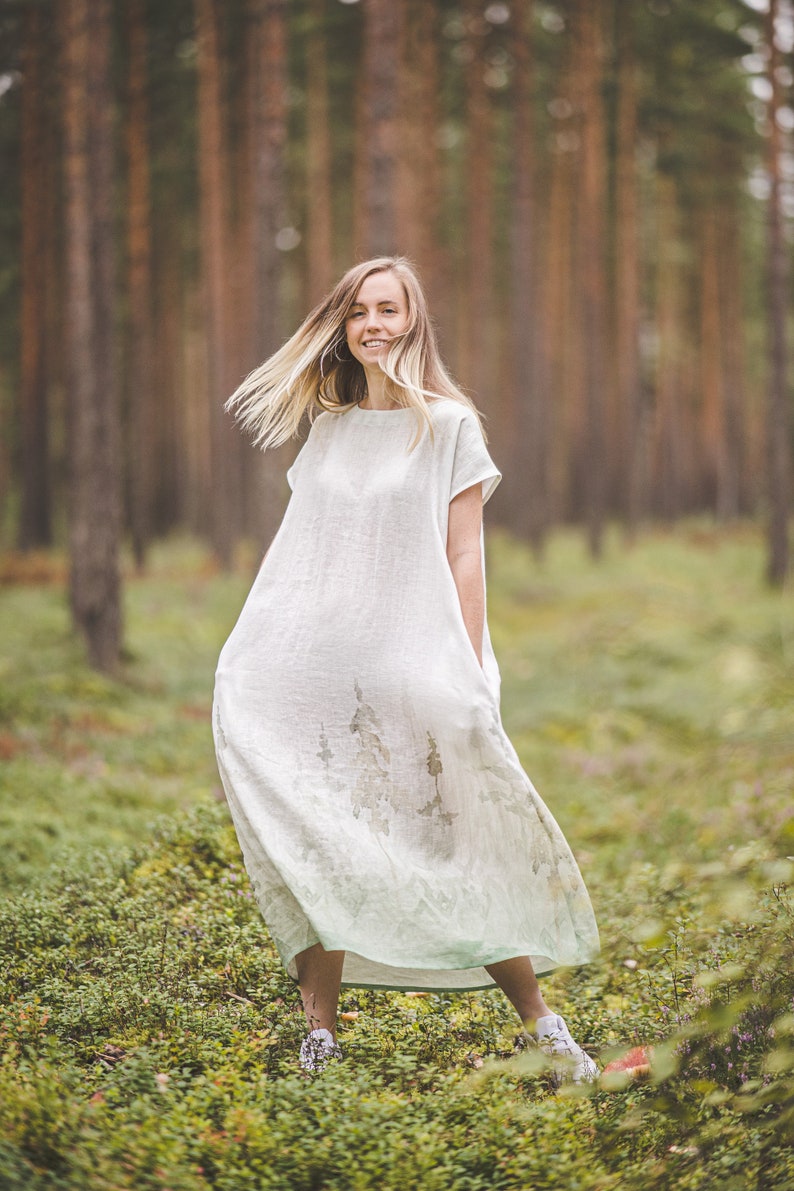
(315, 370)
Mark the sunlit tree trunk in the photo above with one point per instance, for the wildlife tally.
(778, 445)
(94, 455)
(378, 146)
(419, 167)
(629, 431)
(731, 282)
(139, 375)
(527, 429)
(478, 254)
(557, 356)
(168, 496)
(667, 428)
(714, 459)
(36, 185)
(267, 125)
(319, 207)
(215, 255)
(591, 239)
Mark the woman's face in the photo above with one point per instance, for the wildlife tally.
(380, 313)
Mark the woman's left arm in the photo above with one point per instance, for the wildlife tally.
(465, 560)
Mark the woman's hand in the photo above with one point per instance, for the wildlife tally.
(465, 560)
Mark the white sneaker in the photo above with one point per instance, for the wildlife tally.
(317, 1049)
(555, 1038)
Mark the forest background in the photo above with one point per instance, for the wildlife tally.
(596, 192)
(599, 196)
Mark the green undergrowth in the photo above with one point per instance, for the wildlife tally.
(149, 1034)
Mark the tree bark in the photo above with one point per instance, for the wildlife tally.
(35, 528)
(558, 355)
(139, 375)
(714, 459)
(731, 279)
(319, 209)
(267, 128)
(215, 252)
(591, 229)
(476, 294)
(529, 430)
(379, 147)
(419, 166)
(777, 418)
(630, 431)
(667, 429)
(94, 456)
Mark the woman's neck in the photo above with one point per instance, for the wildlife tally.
(377, 396)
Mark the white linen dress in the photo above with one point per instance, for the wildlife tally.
(379, 805)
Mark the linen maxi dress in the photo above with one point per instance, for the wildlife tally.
(379, 805)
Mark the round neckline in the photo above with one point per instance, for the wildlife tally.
(397, 409)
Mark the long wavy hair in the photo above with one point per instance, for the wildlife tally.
(315, 370)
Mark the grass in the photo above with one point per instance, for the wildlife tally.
(147, 1031)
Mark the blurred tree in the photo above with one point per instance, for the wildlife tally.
(475, 294)
(419, 166)
(266, 137)
(629, 465)
(528, 432)
(378, 144)
(36, 176)
(319, 207)
(669, 426)
(778, 419)
(214, 178)
(591, 225)
(84, 28)
(139, 372)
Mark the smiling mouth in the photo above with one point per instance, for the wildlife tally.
(375, 342)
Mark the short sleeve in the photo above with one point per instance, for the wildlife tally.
(472, 463)
(292, 472)
(297, 463)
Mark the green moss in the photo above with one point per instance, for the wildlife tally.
(148, 1034)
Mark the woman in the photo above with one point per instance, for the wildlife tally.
(391, 836)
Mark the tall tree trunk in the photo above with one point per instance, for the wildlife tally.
(419, 166)
(380, 143)
(267, 124)
(667, 429)
(778, 445)
(630, 430)
(95, 497)
(139, 375)
(591, 238)
(168, 497)
(714, 461)
(214, 220)
(478, 264)
(36, 185)
(558, 359)
(319, 208)
(529, 430)
(732, 355)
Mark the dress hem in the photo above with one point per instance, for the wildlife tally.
(542, 965)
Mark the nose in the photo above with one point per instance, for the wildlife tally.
(373, 322)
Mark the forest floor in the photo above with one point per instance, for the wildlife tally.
(148, 1035)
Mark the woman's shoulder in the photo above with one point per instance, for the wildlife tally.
(445, 411)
